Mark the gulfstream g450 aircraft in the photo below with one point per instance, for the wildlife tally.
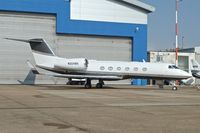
(81, 68)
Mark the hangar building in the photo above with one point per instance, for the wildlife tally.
(92, 29)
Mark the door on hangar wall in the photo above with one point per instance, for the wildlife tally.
(13, 55)
(183, 63)
(97, 48)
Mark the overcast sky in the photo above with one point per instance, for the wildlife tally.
(161, 24)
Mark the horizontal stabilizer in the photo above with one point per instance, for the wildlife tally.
(20, 40)
(27, 41)
(37, 45)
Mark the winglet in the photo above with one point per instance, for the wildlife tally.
(33, 68)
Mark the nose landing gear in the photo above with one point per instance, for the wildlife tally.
(175, 84)
(174, 88)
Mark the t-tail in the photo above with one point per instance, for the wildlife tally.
(195, 69)
(40, 49)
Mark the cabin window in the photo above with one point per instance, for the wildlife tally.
(102, 68)
(110, 68)
(135, 68)
(127, 68)
(172, 67)
(118, 68)
(144, 69)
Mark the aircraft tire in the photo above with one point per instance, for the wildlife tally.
(174, 88)
(69, 83)
(99, 85)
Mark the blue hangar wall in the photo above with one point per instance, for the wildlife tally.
(61, 8)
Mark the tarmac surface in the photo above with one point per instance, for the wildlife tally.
(117, 109)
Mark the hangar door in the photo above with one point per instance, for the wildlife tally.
(13, 55)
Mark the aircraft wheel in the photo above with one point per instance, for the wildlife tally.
(174, 88)
(69, 83)
(99, 85)
(161, 86)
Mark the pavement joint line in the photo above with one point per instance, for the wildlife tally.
(105, 106)
(80, 95)
(153, 104)
(153, 93)
(14, 100)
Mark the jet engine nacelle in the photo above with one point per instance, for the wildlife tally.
(76, 64)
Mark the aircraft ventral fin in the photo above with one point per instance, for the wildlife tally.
(33, 68)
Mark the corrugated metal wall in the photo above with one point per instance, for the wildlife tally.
(13, 55)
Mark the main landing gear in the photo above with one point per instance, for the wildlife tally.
(100, 84)
(89, 85)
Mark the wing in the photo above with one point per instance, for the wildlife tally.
(78, 76)
(85, 76)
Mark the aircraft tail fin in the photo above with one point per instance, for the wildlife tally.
(195, 69)
(37, 45)
(195, 65)
(41, 51)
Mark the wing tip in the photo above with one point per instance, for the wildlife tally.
(15, 39)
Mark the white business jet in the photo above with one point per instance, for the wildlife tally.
(81, 68)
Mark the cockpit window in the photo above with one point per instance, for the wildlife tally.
(175, 67)
(172, 67)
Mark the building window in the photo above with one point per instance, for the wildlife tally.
(135, 68)
(102, 68)
(118, 68)
(127, 68)
(144, 69)
(110, 68)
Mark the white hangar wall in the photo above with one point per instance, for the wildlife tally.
(13, 55)
(105, 10)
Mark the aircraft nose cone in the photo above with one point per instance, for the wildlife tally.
(187, 75)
